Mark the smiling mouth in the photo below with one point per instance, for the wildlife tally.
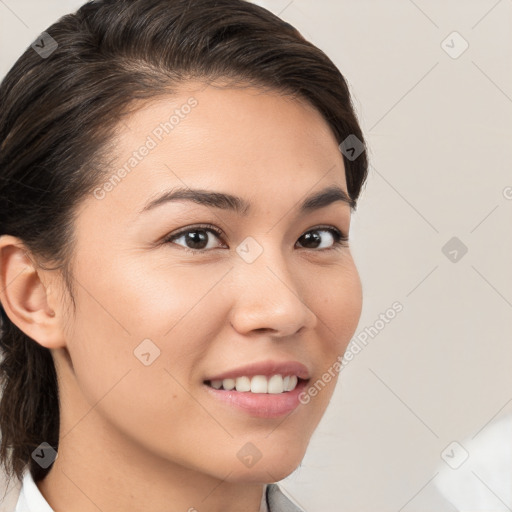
(258, 384)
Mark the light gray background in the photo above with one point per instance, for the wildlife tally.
(439, 130)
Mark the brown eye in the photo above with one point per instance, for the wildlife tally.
(194, 238)
(312, 239)
(198, 239)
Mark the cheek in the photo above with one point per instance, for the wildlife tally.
(125, 313)
(143, 401)
(339, 306)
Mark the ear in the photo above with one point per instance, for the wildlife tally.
(26, 294)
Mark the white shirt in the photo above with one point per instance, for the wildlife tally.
(31, 499)
(477, 475)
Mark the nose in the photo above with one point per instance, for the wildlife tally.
(270, 297)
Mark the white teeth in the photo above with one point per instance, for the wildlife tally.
(258, 384)
(275, 384)
(243, 384)
(293, 383)
(228, 384)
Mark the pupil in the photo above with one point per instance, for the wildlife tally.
(312, 236)
(196, 239)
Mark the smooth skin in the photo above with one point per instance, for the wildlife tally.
(136, 437)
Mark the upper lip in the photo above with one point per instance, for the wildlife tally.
(266, 368)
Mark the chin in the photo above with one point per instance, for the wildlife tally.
(266, 469)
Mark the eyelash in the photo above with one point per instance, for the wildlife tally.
(340, 240)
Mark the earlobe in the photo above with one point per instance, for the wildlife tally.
(25, 297)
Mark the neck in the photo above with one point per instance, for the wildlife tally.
(96, 476)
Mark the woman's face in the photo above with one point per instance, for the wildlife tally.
(155, 322)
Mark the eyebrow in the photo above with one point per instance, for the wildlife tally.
(240, 206)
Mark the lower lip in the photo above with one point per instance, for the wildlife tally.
(261, 405)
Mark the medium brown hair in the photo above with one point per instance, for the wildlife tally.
(59, 113)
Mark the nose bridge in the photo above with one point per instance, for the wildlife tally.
(263, 260)
(269, 295)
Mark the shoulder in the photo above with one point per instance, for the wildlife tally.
(9, 492)
(279, 502)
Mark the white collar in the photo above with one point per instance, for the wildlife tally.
(31, 499)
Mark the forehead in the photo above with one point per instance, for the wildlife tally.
(245, 141)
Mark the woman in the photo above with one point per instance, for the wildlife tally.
(177, 288)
